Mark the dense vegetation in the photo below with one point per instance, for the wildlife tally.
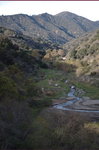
(17, 92)
(28, 86)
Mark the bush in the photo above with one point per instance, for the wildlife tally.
(82, 53)
(94, 48)
(58, 130)
(7, 51)
(40, 103)
(73, 54)
(6, 44)
(8, 87)
(15, 125)
(32, 89)
(65, 67)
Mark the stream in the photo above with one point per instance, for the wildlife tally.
(66, 105)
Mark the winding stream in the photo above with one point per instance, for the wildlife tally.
(69, 105)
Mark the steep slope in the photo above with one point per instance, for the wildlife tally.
(84, 53)
(80, 56)
(75, 24)
(18, 89)
(17, 49)
(27, 41)
(59, 28)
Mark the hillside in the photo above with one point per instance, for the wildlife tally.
(84, 53)
(80, 55)
(34, 77)
(59, 28)
(20, 101)
(27, 41)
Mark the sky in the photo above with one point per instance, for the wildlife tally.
(87, 9)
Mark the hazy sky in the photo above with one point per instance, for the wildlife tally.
(88, 9)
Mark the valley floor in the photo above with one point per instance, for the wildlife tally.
(73, 103)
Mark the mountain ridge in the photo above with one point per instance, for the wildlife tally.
(59, 28)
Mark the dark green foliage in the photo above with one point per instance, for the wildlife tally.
(2, 66)
(32, 89)
(81, 53)
(73, 54)
(7, 51)
(8, 88)
(15, 124)
(1, 30)
(17, 89)
(93, 73)
(40, 103)
(6, 44)
(78, 54)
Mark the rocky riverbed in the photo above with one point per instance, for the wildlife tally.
(74, 103)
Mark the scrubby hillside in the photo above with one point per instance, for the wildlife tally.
(84, 53)
(80, 56)
(19, 65)
(27, 42)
